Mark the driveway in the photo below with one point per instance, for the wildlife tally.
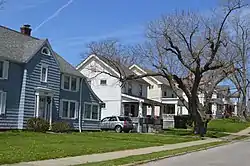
(237, 154)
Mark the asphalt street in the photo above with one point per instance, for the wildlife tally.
(236, 154)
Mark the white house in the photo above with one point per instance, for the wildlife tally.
(120, 98)
(161, 91)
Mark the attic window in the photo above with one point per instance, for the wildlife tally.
(46, 51)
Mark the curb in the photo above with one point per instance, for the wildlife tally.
(179, 154)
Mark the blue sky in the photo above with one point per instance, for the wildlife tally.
(71, 24)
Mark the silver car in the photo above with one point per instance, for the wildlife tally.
(117, 123)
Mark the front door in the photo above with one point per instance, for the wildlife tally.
(43, 108)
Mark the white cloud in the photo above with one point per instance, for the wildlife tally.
(56, 13)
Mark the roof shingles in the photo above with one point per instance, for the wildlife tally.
(20, 48)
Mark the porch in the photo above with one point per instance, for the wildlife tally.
(140, 110)
(43, 106)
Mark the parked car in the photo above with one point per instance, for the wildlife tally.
(117, 123)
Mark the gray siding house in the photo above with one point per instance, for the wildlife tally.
(36, 82)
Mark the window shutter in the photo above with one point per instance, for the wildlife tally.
(77, 110)
(5, 69)
(61, 108)
(4, 97)
(62, 81)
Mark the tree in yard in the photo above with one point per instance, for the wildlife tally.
(185, 48)
(114, 50)
(2, 3)
(193, 53)
(240, 42)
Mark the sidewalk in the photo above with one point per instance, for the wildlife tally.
(110, 155)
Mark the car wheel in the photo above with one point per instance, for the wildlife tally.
(118, 129)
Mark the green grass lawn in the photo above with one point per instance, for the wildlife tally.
(138, 159)
(27, 146)
(188, 132)
(227, 125)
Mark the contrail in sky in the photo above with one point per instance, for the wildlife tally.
(58, 11)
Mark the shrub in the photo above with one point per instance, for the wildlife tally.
(235, 119)
(37, 125)
(182, 121)
(60, 127)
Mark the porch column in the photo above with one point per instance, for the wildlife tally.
(176, 109)
(37, 105)
(153, 111)
(122, 109)
(50, 117)
(139, 126)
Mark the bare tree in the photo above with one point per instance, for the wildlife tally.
(193, 53)
(1, 4)
(196, 46)
(113, 49)
(240, 41)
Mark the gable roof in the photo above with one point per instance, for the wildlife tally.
(66, 67)
(160, 79)
(20, 48)
(119, 68)
(17, 47)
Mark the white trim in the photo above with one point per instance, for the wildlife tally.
(94, 56)
(76, 109)
(3, 102)
(89, 103)
(136, 66)
(133, 98)
(46, 48)
(5, 70)
(46, 74)
(70, 82)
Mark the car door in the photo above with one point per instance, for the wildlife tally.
(104, 123)
(112, 122)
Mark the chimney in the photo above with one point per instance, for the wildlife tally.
(26, 30)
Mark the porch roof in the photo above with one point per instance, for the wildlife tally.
(133, 98)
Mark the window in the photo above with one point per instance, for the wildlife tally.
(70, 83)
(91, 111)
(113, 119)
(151, 87)
(164, 93)
(44, 73)
(66, 82)
(4, 67)
(129, 88)
(73, 84)
(3, 96)
(69, 109)
(103, 82)
(103, 105)
(45, 51)
(124, 119)
(1, 69)
(105, 119)
(94, 112)
(140, 90)
(169, 109)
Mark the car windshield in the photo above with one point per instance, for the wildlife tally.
(124, 119)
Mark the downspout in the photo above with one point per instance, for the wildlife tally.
(80, 107)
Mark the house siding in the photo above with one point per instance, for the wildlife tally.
(33, 81)
(13, 88)
(110, 93)
(87, 97)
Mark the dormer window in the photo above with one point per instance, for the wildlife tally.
(46, 51)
